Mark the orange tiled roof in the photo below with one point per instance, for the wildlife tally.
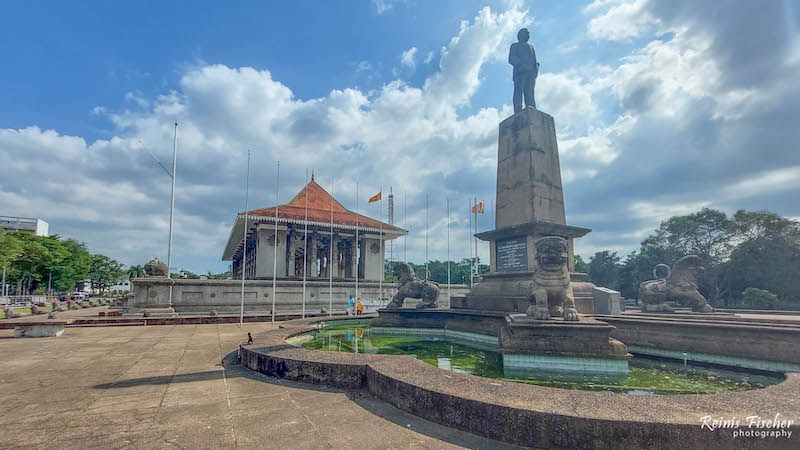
(319, 210)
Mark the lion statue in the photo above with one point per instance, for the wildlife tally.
(409, 286)
(551, 294)
(680, 286)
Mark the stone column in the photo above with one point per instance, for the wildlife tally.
(528, 171)
(354, 264)
(333, 263)
(265, 251)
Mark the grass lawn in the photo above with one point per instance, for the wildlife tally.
(25, 311)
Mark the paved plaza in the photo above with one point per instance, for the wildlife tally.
(167, 387)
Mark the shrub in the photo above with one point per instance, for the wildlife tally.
(759, 299)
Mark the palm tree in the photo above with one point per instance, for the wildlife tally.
(136, 271)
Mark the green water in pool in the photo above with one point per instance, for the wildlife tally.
(646, 376)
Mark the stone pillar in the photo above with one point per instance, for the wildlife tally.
(333, 263)
(372, 253)
(354, 264)
(294, 242)
(528, 171)
(265, 255)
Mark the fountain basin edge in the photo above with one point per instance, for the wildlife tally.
(525, 414)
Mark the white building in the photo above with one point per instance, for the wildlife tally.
(123, 285)
(36, 226)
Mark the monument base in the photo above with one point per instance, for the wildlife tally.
(586, 337)
(508, 292)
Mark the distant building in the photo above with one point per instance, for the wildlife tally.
(124, 284)
(36, 226)
(84, 286)
(295, 256)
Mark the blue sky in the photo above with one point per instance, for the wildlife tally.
(661, 108)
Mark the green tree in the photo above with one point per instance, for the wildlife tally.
(38, 255)
(767, 256)
(604, 269)
(104, 272)
(220, 276)
(706, 233)
(10, 248)
(580, 265)
(73, 267)
(136, 271)
(759, 299)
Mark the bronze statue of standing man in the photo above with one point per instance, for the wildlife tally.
(523, 57)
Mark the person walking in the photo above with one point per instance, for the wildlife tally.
(351, 306)
(359, 308)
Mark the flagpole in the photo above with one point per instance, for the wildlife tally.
(244, 239)
(330, 261)
(305, 249)
(380, 227)
(172, 209)
(426, 236)
(357, 246)
(405, 225)
(448, 250)
(470, 248)
(476, 238)
(275, 252)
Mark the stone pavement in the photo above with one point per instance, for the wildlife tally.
(166, 387)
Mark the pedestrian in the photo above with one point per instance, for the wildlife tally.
(351, 303)
(359, 308)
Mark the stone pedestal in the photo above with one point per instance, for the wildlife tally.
(530, 346)
(528, 171)
(530, 205)
(606, 301)
(152, 295)
(39, 329)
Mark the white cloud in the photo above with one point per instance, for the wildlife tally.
(110, 193)
(662, 211)
(763, 183)
(137, 98)
(429, 58)
(567, 98)
(381, 6)
(407, 59)
(363, 66)
(625, 19)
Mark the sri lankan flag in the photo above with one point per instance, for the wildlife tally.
(375, 198)
(478, 208)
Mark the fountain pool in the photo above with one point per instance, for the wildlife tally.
(646, 376)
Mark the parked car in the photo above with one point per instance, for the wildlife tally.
(79, 296)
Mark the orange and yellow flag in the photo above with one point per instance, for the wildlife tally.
(478, 208)
(375, 198)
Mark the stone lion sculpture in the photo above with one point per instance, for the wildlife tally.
(680, 286)
(409, 286)
(551, 294)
